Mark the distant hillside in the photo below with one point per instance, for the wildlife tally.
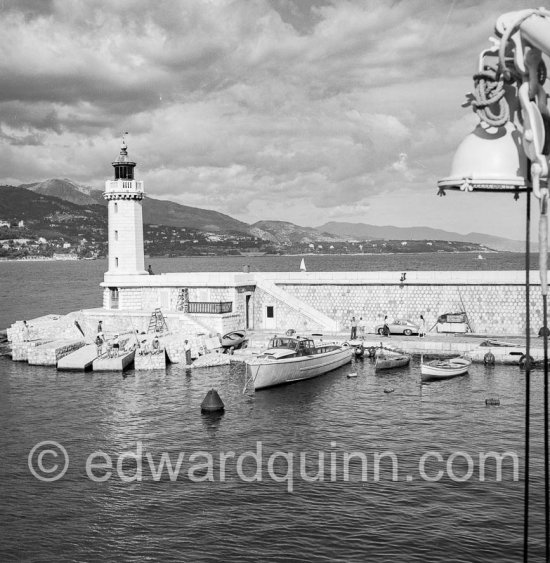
(160, 212)
(156, 211)
(363, 231)
(283, 232)
(164, 212)
(67, 190)
(21, 204)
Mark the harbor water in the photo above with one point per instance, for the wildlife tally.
(435, 511)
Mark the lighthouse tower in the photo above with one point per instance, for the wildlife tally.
(124, 196)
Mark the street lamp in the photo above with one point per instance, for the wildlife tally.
(509, 152)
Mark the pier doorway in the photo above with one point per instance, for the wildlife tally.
(113, 298)
(269, 317)
(248, 312)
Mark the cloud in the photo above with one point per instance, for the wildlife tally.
(246, 107)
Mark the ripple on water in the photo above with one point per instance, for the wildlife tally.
(409, 520)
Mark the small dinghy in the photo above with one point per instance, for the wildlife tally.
(388, 360)
(444, 369)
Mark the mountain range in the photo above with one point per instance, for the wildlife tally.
(164, 212)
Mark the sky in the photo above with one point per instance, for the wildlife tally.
(295, 110)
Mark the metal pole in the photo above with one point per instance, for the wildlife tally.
(527, 380)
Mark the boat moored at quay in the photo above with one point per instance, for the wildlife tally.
(289, 359)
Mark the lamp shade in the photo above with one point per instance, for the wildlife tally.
(490, 159)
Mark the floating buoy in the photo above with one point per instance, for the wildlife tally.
(212, 402)
(489, 359)
(523, 361)
(389, 390)
(492, 401)
(354, 374)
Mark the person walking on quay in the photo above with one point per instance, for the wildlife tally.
(100, 327)
(422, 329)
(353, 329)
(187, 349)
(386, 329)
(362, 327)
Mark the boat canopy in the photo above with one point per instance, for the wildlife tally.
(291, 343)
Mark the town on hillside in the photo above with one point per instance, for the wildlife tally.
(35, 225)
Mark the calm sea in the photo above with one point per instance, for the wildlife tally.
(202, 516)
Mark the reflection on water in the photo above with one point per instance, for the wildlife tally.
(234, 520)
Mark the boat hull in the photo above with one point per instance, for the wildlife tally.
(444, 370)
(269, 373)
(391, 362)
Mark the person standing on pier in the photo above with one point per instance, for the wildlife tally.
(386, 329)
(26, 332)
(115, 346)
(362, 327)
(422, 329)
(99, 344)
(353, 329)
(187, 349)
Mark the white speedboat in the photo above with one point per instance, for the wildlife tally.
(443, 369)
(289, 359)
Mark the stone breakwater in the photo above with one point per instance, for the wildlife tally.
(200, 307)
(326, 301)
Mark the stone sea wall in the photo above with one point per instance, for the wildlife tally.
(314, 301)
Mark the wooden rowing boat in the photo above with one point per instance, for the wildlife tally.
(444, 369)
(389, 361)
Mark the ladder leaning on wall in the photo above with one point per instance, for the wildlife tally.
(157, 322)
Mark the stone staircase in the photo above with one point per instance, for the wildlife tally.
(313, 319)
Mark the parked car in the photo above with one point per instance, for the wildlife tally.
(234, 339)
(399, 326)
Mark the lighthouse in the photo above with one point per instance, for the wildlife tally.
(124, 196)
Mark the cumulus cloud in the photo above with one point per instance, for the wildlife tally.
(296, 107)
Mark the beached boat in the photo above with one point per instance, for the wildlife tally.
(389, 360)
(289, 359)
(234, 339)
(443, 369)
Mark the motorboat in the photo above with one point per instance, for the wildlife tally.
(444, 369)
(389, 360)
(288, 359)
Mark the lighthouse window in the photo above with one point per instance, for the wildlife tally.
(116, 235)
(116, 207)
(116, 262)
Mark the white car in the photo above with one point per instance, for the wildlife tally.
(399, 326)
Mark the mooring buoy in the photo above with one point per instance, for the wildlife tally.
(489, 359)
(212, 402)
(389, 390)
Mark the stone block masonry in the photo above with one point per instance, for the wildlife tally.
(48, 354)
(326, 301)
